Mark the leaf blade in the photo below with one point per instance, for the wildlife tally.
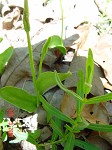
(52, 110)
(71, 93)
(99, 99)
(89, 72)
(51, 42)
(100, 127)
(4, 57)
(70, 142)
(80, 90)
(19, 98)
(85, 145)
(43, 85)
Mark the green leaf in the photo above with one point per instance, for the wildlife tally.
(4, 136)
(85, 145)
(1, 39)
(80, 90)
(99, 99)
(4, 124)
(4, 57)
(70, 142)
(71, 93)
(33, 137)
(53, 111)
(56, 128)
(41, 148)
(57, 42)
(54, 147)
(46, 80)
(1, 115)
(52, 42)
(89, 72)
(100, 127)
(58, 123)
(81, 84)
(19, 98)
(82, 124)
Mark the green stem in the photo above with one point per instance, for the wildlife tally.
(62, 18)
(32, 64)
(31, 61)
(78, 117)
(27, 29)
(51, 143)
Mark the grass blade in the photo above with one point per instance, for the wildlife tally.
(99, 99)
(71, 93)
(70, 142)
(85, 145)
(100, 127)
(56, 128)
(55, 112)
(89, 72)
(80, 90)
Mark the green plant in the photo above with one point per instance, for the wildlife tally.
(64, 135)
(104, 25)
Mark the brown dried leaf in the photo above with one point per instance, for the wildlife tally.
(103, 55)
(68, 105)
(98, 141)
(107, 136)
(96, 113)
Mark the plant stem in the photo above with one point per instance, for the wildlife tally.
(27, 29)
(31, 61)
(62, 18)
(32, 66)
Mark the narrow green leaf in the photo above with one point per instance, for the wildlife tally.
(70, 142)
(33, 137)
(56, 128)
(99, 99)
(4, 136)
(80, 85)
(1, 115)
(100, 127)
(54, 147)
(58, 123)
(1, 39)
(26, 16)
(82, 124)
(89, 72)
(80, 90)
(41, 148)
(71, 93)
(46, 80)
(19, 98)
(52, 42)
(55, 112)
(85, 145)
(4, 57)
